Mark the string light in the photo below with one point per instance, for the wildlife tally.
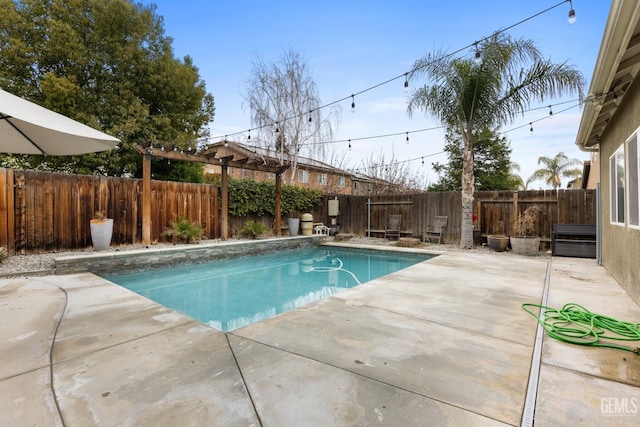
(226, 143)
(478, 57)
(422, 161)
(353, 104)
(550, 112)
(349, 144)
(406, 82)
(407, 137)
(530, 127)
(277, 129)
(572, 14)
(310, 119)
(502, 30)
(249, 137)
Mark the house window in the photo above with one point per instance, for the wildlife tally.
(616, 176)
(271, 176)
(342, 182)
(356, 186)
(303, 176)
(633, 192)
(322, 179)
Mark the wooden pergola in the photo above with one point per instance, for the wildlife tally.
(207, 156)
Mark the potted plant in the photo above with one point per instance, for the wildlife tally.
(293, 222)
(522, 240)
(101, 231)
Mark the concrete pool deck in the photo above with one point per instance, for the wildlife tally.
(444, 342)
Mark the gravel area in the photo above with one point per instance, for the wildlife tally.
(44, 263)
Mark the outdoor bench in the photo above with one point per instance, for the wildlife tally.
(574, 240)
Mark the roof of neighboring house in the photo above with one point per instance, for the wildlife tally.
(273, 155)
(616, 67)
(303, 162)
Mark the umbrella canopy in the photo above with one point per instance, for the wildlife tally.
(27, 128)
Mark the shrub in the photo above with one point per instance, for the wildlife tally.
(253, 229)
(185, 230)
(526, 222)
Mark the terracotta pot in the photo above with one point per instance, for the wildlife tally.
(497, 243)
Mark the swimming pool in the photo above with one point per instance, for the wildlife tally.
(229, 294)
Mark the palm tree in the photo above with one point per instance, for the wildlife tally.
(469, 96)
(555, 168)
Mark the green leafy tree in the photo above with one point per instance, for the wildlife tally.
(555, 168)
(470, 97)
(109, 65)
(492, 168)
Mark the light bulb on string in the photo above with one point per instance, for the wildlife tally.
(422, 161)
(310, 119)
(572, 14)
(407, 137)
(249, 137)
(477, 56)
(277, 129)
(550, 112)
(349, 144)
(406, 82)
(530, 128)
(353, 104)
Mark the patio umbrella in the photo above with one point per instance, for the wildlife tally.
(27, 128)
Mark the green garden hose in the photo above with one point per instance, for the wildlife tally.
(576, 325)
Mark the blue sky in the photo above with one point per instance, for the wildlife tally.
(353, 45)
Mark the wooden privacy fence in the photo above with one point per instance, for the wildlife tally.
(43, 212)
(495, 211)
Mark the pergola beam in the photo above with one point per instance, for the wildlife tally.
(206, 157)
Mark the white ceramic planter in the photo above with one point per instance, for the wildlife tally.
(101, 232)
(294, 226)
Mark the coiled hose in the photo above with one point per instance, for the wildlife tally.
(576, 325)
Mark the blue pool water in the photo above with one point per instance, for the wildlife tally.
(229, 294)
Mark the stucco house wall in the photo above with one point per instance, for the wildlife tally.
(620, 243)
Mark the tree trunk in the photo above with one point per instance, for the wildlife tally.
(466, 226)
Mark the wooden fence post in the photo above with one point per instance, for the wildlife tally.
(278, 225)
(146, 199)
(224, 219)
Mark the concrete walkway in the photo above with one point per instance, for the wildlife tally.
(444, 342)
